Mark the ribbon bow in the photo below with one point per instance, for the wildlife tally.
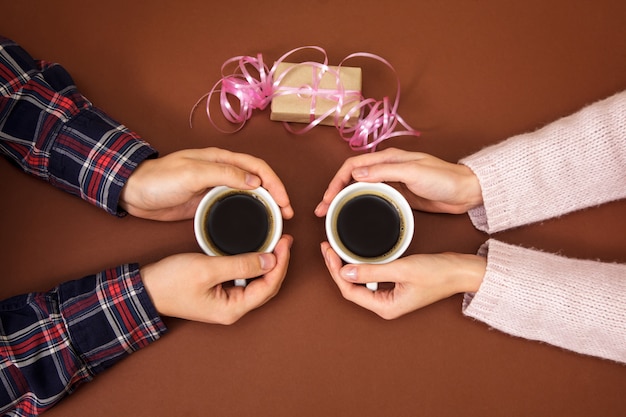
(253, 85)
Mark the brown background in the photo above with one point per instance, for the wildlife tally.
(472, 72)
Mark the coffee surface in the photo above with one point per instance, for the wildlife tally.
(368, 226)
(238, 223)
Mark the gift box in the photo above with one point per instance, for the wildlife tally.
(302, 96)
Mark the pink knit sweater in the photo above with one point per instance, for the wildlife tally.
(574, 163)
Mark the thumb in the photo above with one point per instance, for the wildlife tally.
(247, 265)
(364, 274)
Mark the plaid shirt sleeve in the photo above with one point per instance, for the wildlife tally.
(52, 342)
(51, 131)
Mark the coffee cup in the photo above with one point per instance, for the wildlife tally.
(231, 221)
(369, 223)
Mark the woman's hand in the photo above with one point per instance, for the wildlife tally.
(419, 280)
(428, 183)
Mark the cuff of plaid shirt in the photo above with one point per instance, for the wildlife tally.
(93, 156)
(109, 316)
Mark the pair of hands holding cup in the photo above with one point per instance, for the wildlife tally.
(190, 286)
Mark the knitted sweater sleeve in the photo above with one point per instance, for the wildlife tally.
(575, 304)
(576, 162)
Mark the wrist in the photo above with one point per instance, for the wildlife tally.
(472, 189)
(153, 285)
(127, 190)
(122, 202)
(130, 194)
(469, 272)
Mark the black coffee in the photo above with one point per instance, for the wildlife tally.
(368, 226)
(238, 223)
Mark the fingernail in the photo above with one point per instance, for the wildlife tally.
(361, 172)
(267, 261)
(252, 180)
(349, 272)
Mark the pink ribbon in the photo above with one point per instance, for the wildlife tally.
(378, 119)
(253, 85)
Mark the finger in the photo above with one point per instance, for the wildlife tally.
(367, 273)
(265, 288)
(332, 260)
(358, 294)
(235, 177)
(243, 266)
(207, 174)
(403, 172)
(238, 170)
(342, 177)
(345, 173)
(261, 170)
(334, 265)
(388, 304)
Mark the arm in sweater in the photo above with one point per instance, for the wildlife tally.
(576, 162)
(573, 163)
(579, 305)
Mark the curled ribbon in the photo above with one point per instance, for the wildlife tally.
(253, 84)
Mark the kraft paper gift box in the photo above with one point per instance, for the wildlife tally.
(295, 101)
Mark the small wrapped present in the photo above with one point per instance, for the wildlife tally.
(302, 95)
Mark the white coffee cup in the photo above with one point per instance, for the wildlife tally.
(369, 223)
(229, 221)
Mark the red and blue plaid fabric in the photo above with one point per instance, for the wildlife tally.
(52, 342)
(51, 131)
